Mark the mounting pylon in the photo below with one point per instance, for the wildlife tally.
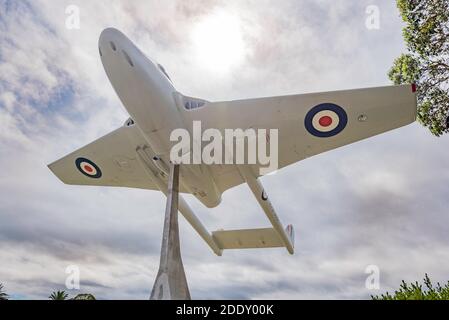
(171, 283)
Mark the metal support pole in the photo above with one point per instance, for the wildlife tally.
(184, 207)
(171, 283)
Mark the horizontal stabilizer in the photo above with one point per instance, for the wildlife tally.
(247, 238)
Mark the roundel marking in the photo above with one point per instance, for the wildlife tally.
(326, 120)
(88, 168)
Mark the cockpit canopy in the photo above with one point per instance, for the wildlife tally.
(193, 103)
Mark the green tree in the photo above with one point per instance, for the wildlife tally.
(3, 295)
(415, 291)
(426, 64)
(58, 295)
(84, 296)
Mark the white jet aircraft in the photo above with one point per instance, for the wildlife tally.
(137, 155)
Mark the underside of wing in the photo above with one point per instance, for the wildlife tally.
(309, 124)
(109, 161)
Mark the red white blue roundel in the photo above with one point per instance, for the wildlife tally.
(88, 168)
(326, 120)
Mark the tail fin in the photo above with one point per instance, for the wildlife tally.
(291, 234)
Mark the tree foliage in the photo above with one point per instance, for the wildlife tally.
(55, 295)
(415, 291)
(84, 296)
(62, 295)
(58, 295)
(426, 34)
(3, 295)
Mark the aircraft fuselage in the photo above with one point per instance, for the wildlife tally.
(150, 98)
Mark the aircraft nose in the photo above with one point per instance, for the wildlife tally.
(108, 34)
(111, 37)
(114, 45)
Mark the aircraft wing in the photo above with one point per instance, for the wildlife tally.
(309, 124)
(109, 161)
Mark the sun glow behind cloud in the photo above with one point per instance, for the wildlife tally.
(218, 42)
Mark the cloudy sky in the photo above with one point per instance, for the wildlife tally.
(382, 202)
